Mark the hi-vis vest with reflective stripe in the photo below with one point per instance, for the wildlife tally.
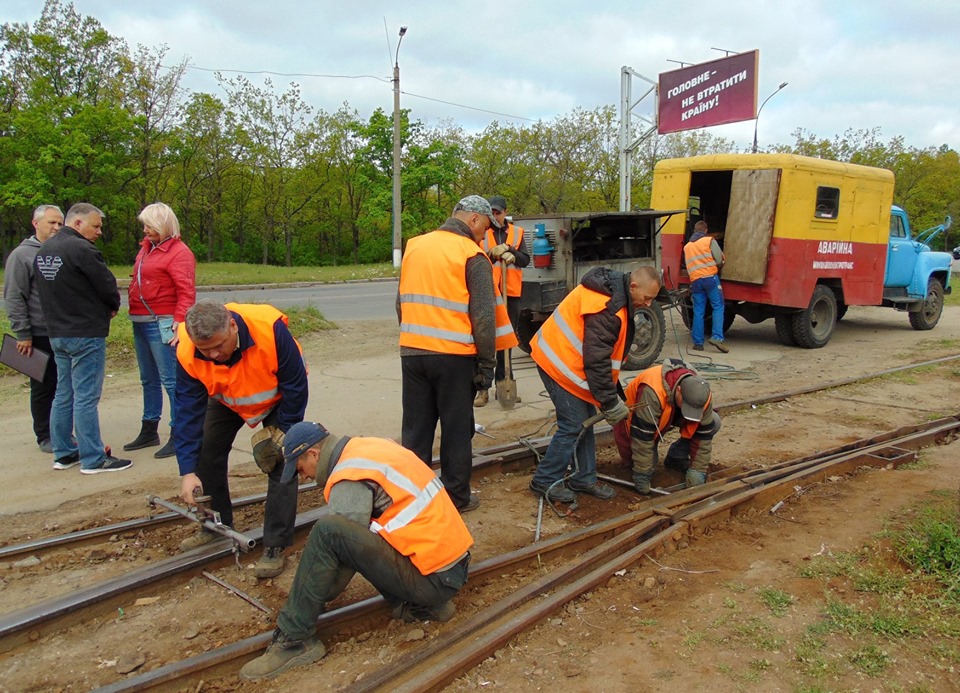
(558, 346)
(422, 522)
(699, 258)
(248, 387)
(653, 378)
(514, 239)
(434, 301)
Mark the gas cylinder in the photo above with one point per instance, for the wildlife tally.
(542, 250)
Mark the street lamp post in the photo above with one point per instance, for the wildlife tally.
(396, 152)
(757, 119)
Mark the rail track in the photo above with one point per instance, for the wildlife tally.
(589, 558)
(599, 550)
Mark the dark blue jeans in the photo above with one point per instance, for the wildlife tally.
(703, 290)
(337, 549)
(571, 413)
(158, 369)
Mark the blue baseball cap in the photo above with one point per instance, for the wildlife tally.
(300, 438)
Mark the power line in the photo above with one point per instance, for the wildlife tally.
(472, 108)
(380, 79)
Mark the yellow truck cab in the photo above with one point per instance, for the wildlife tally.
(803, 238)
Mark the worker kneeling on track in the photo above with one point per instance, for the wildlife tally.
(390, 520)
(660, 398)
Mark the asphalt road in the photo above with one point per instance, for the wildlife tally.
(337, 302)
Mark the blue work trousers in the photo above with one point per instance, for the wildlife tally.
(571, 413)
(703, 290)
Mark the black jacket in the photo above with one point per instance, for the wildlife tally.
(601, 331)
(78, 293)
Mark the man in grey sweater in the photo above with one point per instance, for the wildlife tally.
(445, 305)
(26, 316)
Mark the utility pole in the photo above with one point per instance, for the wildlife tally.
(397, 238)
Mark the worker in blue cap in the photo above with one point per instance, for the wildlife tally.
(390, 519)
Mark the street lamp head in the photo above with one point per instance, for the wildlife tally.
(782, 84)
(403, 30)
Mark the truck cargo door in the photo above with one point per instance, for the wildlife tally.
(750, 218)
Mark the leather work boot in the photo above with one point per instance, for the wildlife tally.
(270, 564)
(198, 539)
(282, 654)
(483, 397)
(719, 345)
(409, 613)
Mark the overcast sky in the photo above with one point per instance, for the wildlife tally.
(849, 63)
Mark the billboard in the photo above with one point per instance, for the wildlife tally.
(720, 91)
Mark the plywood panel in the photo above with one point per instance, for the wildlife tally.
(750, 217)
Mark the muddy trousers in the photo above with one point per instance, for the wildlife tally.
(220, 428)
(337, 549)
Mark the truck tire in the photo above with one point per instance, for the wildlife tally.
(927, 317)
(784, 325)
(813, 326)
(650, 333)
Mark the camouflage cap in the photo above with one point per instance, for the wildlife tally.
(475, 203)
(694, 397)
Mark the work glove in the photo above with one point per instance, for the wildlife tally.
(483, 379)
(267, 448)
(508, 258)
(695, 478)
(616, 413)
(498, 250)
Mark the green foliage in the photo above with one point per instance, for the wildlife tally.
(776, 600)
(929, 543)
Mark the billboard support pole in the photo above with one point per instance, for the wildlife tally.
(627, 105)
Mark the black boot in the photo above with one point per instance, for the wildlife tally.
(166, 451)
(148, 436)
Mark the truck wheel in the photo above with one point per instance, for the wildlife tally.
(650, 333)
(784, 325)
(813, 327)
(927, 317)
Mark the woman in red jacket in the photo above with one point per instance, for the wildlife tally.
(162, 289)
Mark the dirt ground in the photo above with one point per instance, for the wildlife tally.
(696, 621)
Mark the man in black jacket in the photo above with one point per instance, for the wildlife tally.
(79, 297)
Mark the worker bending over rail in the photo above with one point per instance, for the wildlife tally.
(579, 351)
(390, 519)
(660, 398)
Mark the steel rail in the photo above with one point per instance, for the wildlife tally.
(496, 457)
(688, 511)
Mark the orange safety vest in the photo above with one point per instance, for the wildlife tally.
(558, 345)
(699, 258)
(248, 387)
(434, 300)
(422, 522)
(514, 239)
(506, 337)
(653, 378)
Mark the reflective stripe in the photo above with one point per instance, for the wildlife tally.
(568, 332)
(436, 332)
(558, 363)
(413, 509)
(256, 398)
(421, 497)
(504, 331)
(427, 300)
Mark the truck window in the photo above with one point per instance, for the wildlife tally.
(828, 202)
(896, 227)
